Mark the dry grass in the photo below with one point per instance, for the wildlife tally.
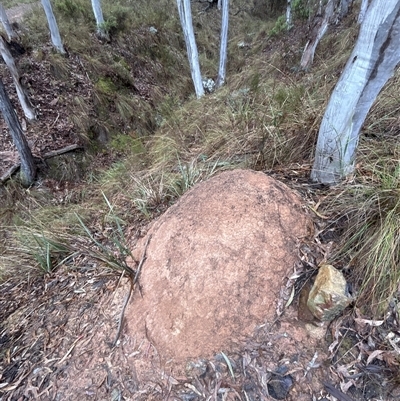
(370, 244)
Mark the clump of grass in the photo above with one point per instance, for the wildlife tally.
(47, 250)
(54, 236)
(371, 242)
(151, 193)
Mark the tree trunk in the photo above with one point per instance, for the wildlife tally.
(289, 15)
(224, 44)
(28, 167)
(320, 26)
(363, 10)
(6, 23)
(371, 64)
(185, 15)
(26, 105)
(344, 8)
(98, 14)
(54, 32)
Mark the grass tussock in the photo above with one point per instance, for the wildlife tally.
(370, 244)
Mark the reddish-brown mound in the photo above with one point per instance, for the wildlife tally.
(215, 264)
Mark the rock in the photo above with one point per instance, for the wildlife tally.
(328, 296)
(215, 264)
(208, 85)
(279, 386)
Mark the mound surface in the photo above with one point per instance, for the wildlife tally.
(215, 264)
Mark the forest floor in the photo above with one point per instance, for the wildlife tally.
(57, 330)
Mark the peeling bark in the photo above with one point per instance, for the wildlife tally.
(185, 15)
(371, 64)
(318, 30)
(26, 104)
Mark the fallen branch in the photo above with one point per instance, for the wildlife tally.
(58, 152)
(8, 174)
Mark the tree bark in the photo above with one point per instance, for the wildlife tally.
(363, 10)
(54, 32)
(98, 14)
(289, 15)
(185, 15)
(223, 54)
(371, 64)
(26, 104)
(6, 23)
(344, 8)
(28, 167)
(320, 26)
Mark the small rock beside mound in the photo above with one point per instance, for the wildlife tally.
(215, 264)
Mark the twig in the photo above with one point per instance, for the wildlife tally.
(133, 281)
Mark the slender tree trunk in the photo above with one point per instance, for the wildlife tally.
(28, 167)
(54, 32)
(372, 62)
(185, 15)
(98, 14)
(6, 23)
(223, 54)
(289, 15)
(26, 105)
(320, 26)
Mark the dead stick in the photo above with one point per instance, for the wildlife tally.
(58, 152)
(10, 172)
(133, 281)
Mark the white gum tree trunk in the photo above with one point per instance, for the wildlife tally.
(363, 10)
(185, 15)
(26, 105)
(320, 26)
(223, 54)
(54, 32)
(289, 14)
(6, 23)
(372, 62)
(98, 14)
